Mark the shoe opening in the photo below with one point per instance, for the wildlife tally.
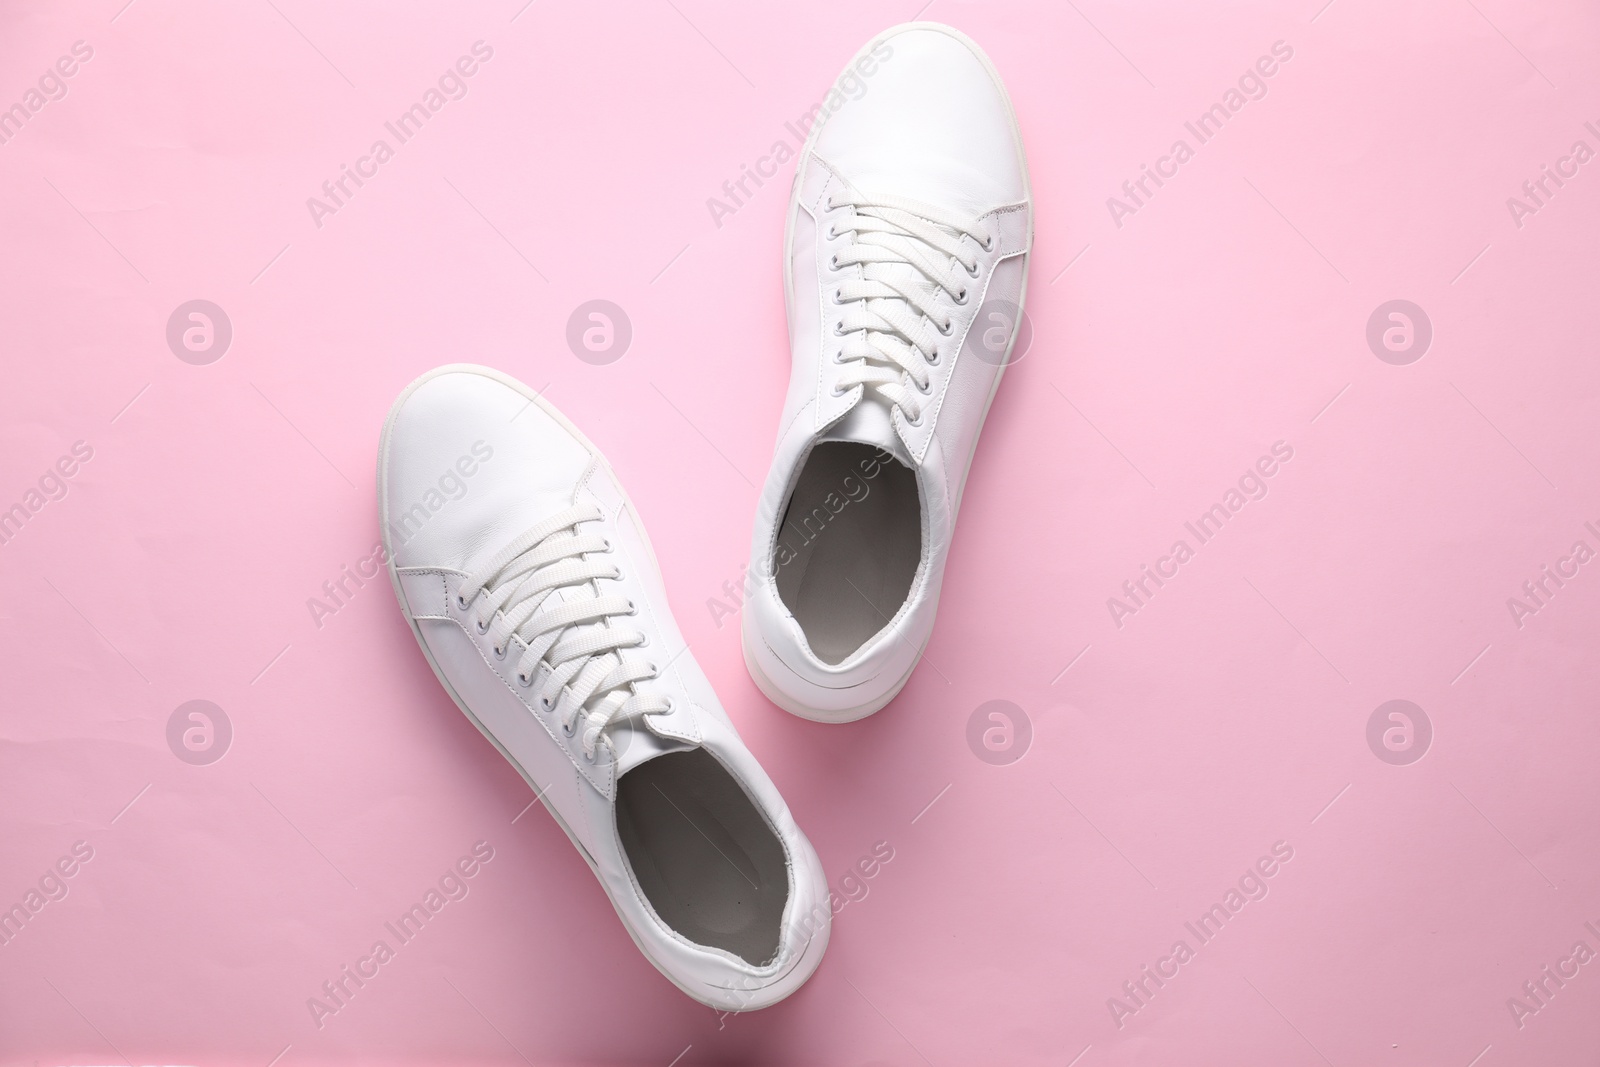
(848, 546)
(704, 855)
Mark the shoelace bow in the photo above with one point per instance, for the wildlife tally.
(542, 590)
(898, 315)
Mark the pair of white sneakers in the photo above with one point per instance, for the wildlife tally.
(527, 577)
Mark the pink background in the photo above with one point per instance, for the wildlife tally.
(1169, 353)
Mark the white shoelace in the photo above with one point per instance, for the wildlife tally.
(908, 253)
(542, 589)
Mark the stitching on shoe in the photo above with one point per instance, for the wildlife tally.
(587, 476)
(944, 389)
(444, 589)
(604, 788)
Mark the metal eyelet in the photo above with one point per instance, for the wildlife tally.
(499, 653)
(523, 680)
(961, 297)
(972, 271)
(461, 602)
(570, 730)
(483, 627)
(545, 702)
(946, 329)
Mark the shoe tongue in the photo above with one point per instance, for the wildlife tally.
(636, 743)
(868, 423)
(952, 184)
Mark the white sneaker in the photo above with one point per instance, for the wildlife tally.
(905, 259)
(529, 582)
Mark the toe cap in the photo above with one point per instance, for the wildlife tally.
(469, 460)
(932, 122)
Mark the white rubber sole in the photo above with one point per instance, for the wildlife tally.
(774, 693)
(811, 956)
(801, 710)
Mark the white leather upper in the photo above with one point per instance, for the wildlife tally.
(934, 126)
(537, 466)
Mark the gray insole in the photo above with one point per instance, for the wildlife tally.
(705, 857)
(856, 541)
